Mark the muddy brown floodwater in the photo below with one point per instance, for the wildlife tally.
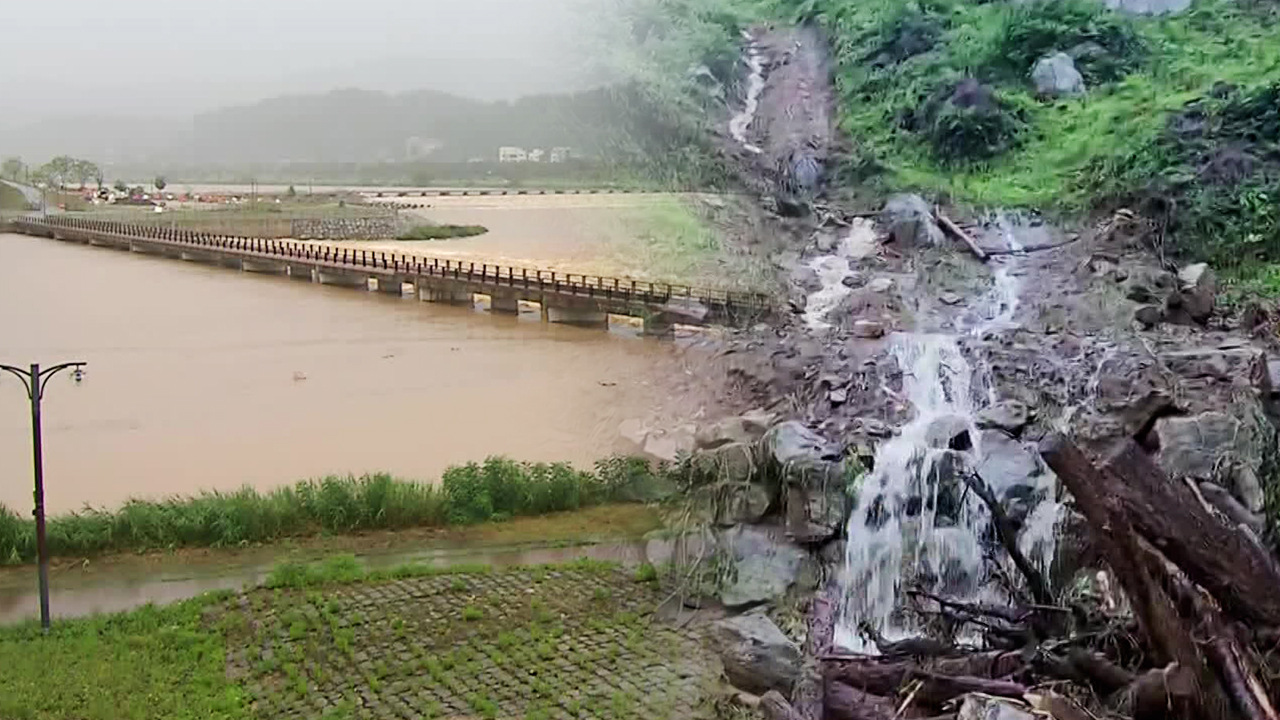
(206, 378)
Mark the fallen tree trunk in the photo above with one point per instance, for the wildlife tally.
(847, 703)
(937, 689)
(1235, 570)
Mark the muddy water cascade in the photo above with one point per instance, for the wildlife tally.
(916, 525)
(206, 378)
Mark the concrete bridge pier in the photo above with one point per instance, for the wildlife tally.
(509, 305)
(353, 280)
(298, 271)
(576, 316)
(447, 296)
(263, 266)
(391, 286)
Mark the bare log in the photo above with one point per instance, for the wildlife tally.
(1009, 538)
(847, 703)
(1161, 693)
(877, 678)
(938, 689)
(1218, 557)
(1241, 683)
(776, 707)
(880, 677)
(955, 231)
(1104, 676)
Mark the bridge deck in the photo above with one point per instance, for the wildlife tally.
(719, 305)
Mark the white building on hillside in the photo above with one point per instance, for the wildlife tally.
(536, 154)
(560, 154)
(509, 154)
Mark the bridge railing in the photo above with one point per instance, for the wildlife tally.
(397, 263)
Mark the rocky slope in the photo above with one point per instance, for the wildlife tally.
(907, 373)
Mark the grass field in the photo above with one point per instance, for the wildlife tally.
(331, 640)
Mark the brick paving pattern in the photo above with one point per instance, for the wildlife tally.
(528, 643)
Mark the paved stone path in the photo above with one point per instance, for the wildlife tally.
(574, 642)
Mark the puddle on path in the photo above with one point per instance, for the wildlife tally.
(76, 593)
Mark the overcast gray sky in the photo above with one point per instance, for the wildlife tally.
(175, 57)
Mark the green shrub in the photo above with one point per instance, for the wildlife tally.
(1032, 30)
(494, 490)
(442, 232)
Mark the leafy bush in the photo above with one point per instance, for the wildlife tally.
(497, 489)
(1033, 29)
(442, 232)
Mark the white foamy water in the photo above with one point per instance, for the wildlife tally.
(739, 124)
(915, 524)
(858, 243)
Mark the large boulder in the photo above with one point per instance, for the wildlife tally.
(1055, 75)
(816, 514)
(1010, 416)
(909, 221)
(1195, 446)
(669, 445)
(1198, 288)
(1220, 498)
(734, 462)
(741, 502)
(762, 565)
(1005, 462)
(756, 656)
(746, 428)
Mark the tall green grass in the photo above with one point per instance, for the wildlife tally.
(496, 489)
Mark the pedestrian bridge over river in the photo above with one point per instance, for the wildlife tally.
(563, 297)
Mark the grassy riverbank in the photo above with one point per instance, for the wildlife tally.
(495, 490)
(442, 232)
(332, 640)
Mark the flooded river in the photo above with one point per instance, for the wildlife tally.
(206, 378)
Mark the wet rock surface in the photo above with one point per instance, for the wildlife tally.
(757, 657)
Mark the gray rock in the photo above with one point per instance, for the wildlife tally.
(1146, 284)
(792, 444)
(1010, 416)
(1149, 315)
(806, 278)
(747, 428)
(1056, 76)
(816, 514)
(909, 221)
(742, 502)
(880, 285)
(976, 706)
(735, 462)
(1005, 461)
(949, 431)
(950, 298)
(1199, 288)
(756, 656)
(763, 565)
(839, 396)
(681, 549)
(1241, 367)
(826, 242)
(670, 445)
(1150, 7)
(854, 280)
(1221, 499)
(1248, 488)
(1191, 446)
(869, 329)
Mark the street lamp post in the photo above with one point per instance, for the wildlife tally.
(35, 380)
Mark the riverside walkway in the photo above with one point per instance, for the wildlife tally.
(563, 297)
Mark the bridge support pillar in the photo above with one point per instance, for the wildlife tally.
(353, 280)
(391, 286)
(444, 295)
(258, 266)
(508, 305)
(658, 326)
(576, 316)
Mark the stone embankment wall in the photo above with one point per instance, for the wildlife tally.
(345, 228)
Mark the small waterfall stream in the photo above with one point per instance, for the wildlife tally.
(739, 124)
(915, 523)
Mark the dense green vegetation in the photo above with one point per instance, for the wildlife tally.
(1178, 122)
(442, 232)
(11, 198)
(149, 663)
(496, 489)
